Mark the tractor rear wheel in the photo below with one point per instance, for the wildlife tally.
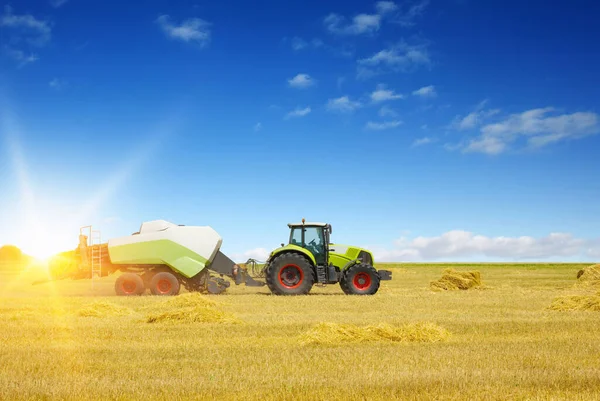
(360, 279)
(290, 274)
(164, 283)
(128, 284)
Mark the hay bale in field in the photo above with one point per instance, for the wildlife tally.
(590, 274)
(103, 309)
(335, 333)
(189, 308)
(457, 280)
(576, 303)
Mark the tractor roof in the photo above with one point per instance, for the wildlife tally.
(307, 224)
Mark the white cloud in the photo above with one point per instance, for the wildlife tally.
(426, 91)
(26, 28)
(537, 127)
(20, 56)
(398, 58)
(298, 112)
(381, 94)
(422, 141)
(56, 84)
(407, 18)
(370, 23)
(190, 30)
(58, 3)
(260, 254)
(257, 127)
(464, 245)
(298, 43)
(301, 81)
(361, 24)
(386, 111)
(384, 7)
(343, 104)
(475, 118)
(384, 125)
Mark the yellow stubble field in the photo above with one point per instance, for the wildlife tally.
(65, 340)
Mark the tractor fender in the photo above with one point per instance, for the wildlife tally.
(292, 249)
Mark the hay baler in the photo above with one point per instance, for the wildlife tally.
(161, 257)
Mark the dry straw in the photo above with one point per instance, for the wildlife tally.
(190, 308)
(336, 333)
(457, 280)
(103, 309)
(577, 303)
(590, 274)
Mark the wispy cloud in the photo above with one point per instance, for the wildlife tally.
(58, 3)
(56, 84)
(398, 58)
(383, 125)
(257, 127)
(422, 141)
(474, 118)
(368, 24)
(343, 104)
(386, 111)
(190, 30)
(23, 32)
(360, 24)
(298, 112)
(301, 81)
(26, 28)
(464, 245)
(407, 15)
(426, 91)
(381, 94)
(297, 43)
(537, 127)
(20, 56)
(385, 7)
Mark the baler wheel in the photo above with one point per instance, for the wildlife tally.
(360, 279)
(164, 283)
(128, 284)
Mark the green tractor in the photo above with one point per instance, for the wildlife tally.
(310, 259)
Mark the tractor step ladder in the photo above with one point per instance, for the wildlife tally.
(94, 239)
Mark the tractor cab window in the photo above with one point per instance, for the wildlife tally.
(313, 241)
(296, 238)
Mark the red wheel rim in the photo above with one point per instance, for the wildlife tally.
(163, 286)
(291, 276)
(128, 287)
(362, 281)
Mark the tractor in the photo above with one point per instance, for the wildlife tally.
(310, 259)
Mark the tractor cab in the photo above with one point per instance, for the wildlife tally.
(314, 237)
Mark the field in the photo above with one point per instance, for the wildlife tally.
(504, 342)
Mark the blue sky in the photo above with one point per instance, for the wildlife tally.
(424, 130)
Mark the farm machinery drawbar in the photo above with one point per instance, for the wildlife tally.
(163, 256)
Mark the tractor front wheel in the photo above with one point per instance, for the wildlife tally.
(290, 274)
(164, 283)
(128, 284)
(360, 279)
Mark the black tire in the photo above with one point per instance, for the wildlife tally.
(164, 284)
(290, 274)
(128, 284)
(360, 279)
